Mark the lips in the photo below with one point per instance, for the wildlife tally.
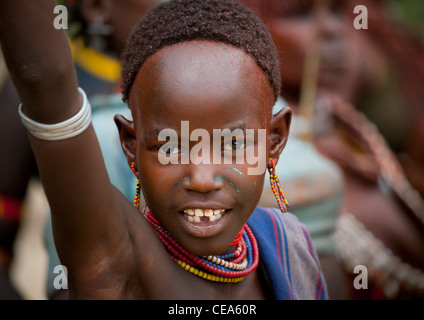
(206, 221)
(203, 215)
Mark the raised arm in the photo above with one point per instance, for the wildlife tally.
(39, 60)
(86, 208)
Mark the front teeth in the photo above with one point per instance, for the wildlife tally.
(195, 215)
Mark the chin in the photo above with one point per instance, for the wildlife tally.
(207, 247)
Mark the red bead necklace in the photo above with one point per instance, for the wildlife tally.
(230, 268)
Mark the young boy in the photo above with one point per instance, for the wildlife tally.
(205, 66)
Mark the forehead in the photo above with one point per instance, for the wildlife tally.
(197, 78)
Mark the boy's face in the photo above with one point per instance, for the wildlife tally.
(211, 86)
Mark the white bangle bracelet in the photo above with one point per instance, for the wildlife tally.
(62, 130)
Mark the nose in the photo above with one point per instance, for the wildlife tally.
(202, 178)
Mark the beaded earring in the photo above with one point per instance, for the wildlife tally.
(137, 191)
(276, 188)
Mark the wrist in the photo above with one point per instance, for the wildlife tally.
(69, 128)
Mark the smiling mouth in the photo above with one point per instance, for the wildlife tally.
(204, 215)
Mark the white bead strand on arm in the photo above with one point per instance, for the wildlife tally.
(62, 130)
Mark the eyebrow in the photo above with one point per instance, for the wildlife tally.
(154, 134)
(240, 125)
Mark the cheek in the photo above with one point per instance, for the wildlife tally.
(258, 183)
(258, 186)
(250, 189)
(155, 181)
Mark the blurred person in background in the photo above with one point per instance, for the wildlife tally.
(98, 31)
(14, 165)
(382, 157)
(367, 70)
(313, 184)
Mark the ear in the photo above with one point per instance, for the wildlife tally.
(279, 133)
(126, 130)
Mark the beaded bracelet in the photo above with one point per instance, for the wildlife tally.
(62, 130)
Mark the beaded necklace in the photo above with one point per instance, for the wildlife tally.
(229, 268)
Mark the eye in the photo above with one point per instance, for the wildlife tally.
(169, 149)
(234, 145)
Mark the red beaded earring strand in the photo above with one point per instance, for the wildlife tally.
(137, 191)
(276, 188)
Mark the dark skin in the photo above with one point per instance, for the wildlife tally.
(16, 165)
(123, 258)
(17, 169)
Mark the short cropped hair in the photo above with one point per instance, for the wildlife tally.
(176, 21)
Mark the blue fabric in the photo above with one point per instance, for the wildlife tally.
(290, 261)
